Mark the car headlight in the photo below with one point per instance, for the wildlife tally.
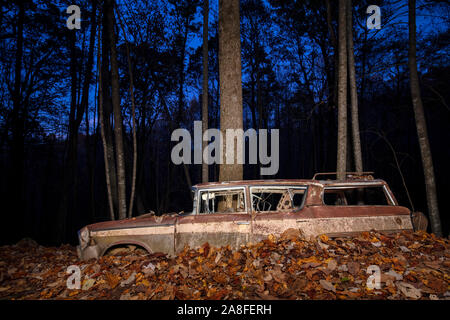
(84, 237)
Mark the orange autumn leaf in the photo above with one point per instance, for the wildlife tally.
(74, 293)
(145, 282)
(237, 255)
(312, 259)
(112, 280)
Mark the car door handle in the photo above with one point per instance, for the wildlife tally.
(242, 222)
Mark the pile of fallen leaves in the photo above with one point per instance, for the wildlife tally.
(412, 266)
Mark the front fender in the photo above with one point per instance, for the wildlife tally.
(126, 242)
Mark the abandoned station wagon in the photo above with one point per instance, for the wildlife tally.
(234, 213)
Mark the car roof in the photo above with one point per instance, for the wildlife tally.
(272, 182)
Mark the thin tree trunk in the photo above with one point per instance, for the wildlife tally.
(133, 115)
(84, 105)
(353, 93)
(231, 116)
(102, 132)
(334, 43)
(91, 148)
(205, 86)
(118, 125)
(91, 153)
(342, 94)
(188, 179)
(427, 161)
(107, 108)
(330, 128)
(363, 85)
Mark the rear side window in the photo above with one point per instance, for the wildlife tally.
(356, 196)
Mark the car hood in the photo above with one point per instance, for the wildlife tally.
(135, 222)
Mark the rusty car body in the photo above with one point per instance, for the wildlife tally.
(238, 212)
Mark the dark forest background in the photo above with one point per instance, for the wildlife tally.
(52, 176)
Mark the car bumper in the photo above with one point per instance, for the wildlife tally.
(90, 252)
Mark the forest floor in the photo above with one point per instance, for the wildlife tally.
(408, 266)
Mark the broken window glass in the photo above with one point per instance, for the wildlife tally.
(277, 199)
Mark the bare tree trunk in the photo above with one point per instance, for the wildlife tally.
(353, 93)
(342, 94)
(205, 86)
(83, 106)
(363, 84)
(334, 43)
(328, 119)
(188, 179)
(427, 161)
(133, 115)
(230, 82)
(90, 148)
(102, 132)
(118, 134)
(91, 153)
(107, 107)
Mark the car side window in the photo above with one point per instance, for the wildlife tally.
(334, 198)
(356, 196)
(222, 201)
(266, 199)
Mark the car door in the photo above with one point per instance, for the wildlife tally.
(221, 218)
(275, 209)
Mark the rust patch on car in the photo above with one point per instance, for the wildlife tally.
(169, 233)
